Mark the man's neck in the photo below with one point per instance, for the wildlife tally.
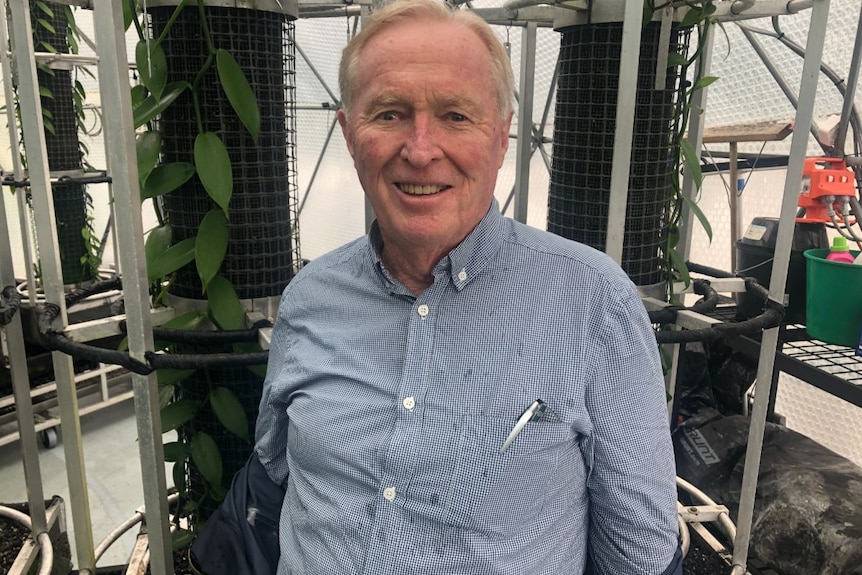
(413, 268)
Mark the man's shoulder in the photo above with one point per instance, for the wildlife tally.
(340, 261)
(561, 252)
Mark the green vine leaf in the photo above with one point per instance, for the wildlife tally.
(138, 94)
(46, 25)
(224, 305)
(46, 93)
(45, 8)
(703, 83)
(148, 146)
(213, 167)
(701, 217)
(172, 259)
(158, 241)
(179, 474)
(692, 162)
(181, 538)
(211, 245)
(678, 264)
(648, 11)
(206, 457)
(675, 59)
(238, 92)
(696, 15)
(166, 396)
(166, 178)
(175, 451)
(229, 412)
(151, 106)
(187, 321)
(128, 13)
(152, 66)
(177, 413)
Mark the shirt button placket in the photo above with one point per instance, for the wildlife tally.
(389, 494)
(422, 310)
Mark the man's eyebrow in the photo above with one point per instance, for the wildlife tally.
(383, 100)
(458, 102)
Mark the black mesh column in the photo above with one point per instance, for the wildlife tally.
(61, 142)
(585, 124)
(262, 254)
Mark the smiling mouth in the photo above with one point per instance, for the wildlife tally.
(417, 190)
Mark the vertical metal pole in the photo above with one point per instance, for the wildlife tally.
(365, 11)
(15, 334)
(850, 94)
(733, 160)
(15, 145)
(625, 119)
(792, 182)
(52, 279)
(525, 121)
(119, 130)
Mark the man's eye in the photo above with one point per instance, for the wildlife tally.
(456, 117)
(388, 116)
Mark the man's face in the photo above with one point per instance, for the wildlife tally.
(425, 133)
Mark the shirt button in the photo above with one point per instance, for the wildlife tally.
(409, 403)
(422, 310)
(462, 275)
(389, 494)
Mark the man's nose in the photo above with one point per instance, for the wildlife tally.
(421, 145)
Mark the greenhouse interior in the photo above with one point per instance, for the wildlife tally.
(154, 148)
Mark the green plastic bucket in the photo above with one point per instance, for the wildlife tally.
(833, 298)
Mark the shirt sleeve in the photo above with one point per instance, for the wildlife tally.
(632, 486)
(272, 421)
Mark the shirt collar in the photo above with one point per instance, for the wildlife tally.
(472, 255)
(465, 261)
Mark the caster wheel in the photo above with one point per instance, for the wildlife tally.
(49, 437)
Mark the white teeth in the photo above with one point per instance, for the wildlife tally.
(415, 190)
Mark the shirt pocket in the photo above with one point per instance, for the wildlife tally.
(499, 493)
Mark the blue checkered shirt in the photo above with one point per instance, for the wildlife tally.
(383, 414)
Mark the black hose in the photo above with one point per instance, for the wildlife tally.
(57, 341)
(11, 301)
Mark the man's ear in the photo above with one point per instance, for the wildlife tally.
(345, 129)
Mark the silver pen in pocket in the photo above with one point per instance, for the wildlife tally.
(534, 412)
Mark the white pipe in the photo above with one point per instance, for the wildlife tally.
(724, 520)
(138, 517)
(684, 535)
(112, 537)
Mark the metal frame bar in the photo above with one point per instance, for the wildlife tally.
(119, 131)
(15, 336)
(525, 121)
(625, 117)
(783, 244)
(849, 95)
(52, 276)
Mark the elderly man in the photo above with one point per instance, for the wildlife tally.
(457, 392)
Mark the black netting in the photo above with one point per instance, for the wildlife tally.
(61, 141)
(262, 253)
(234, 450)
(70, 215)
(584, 129)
